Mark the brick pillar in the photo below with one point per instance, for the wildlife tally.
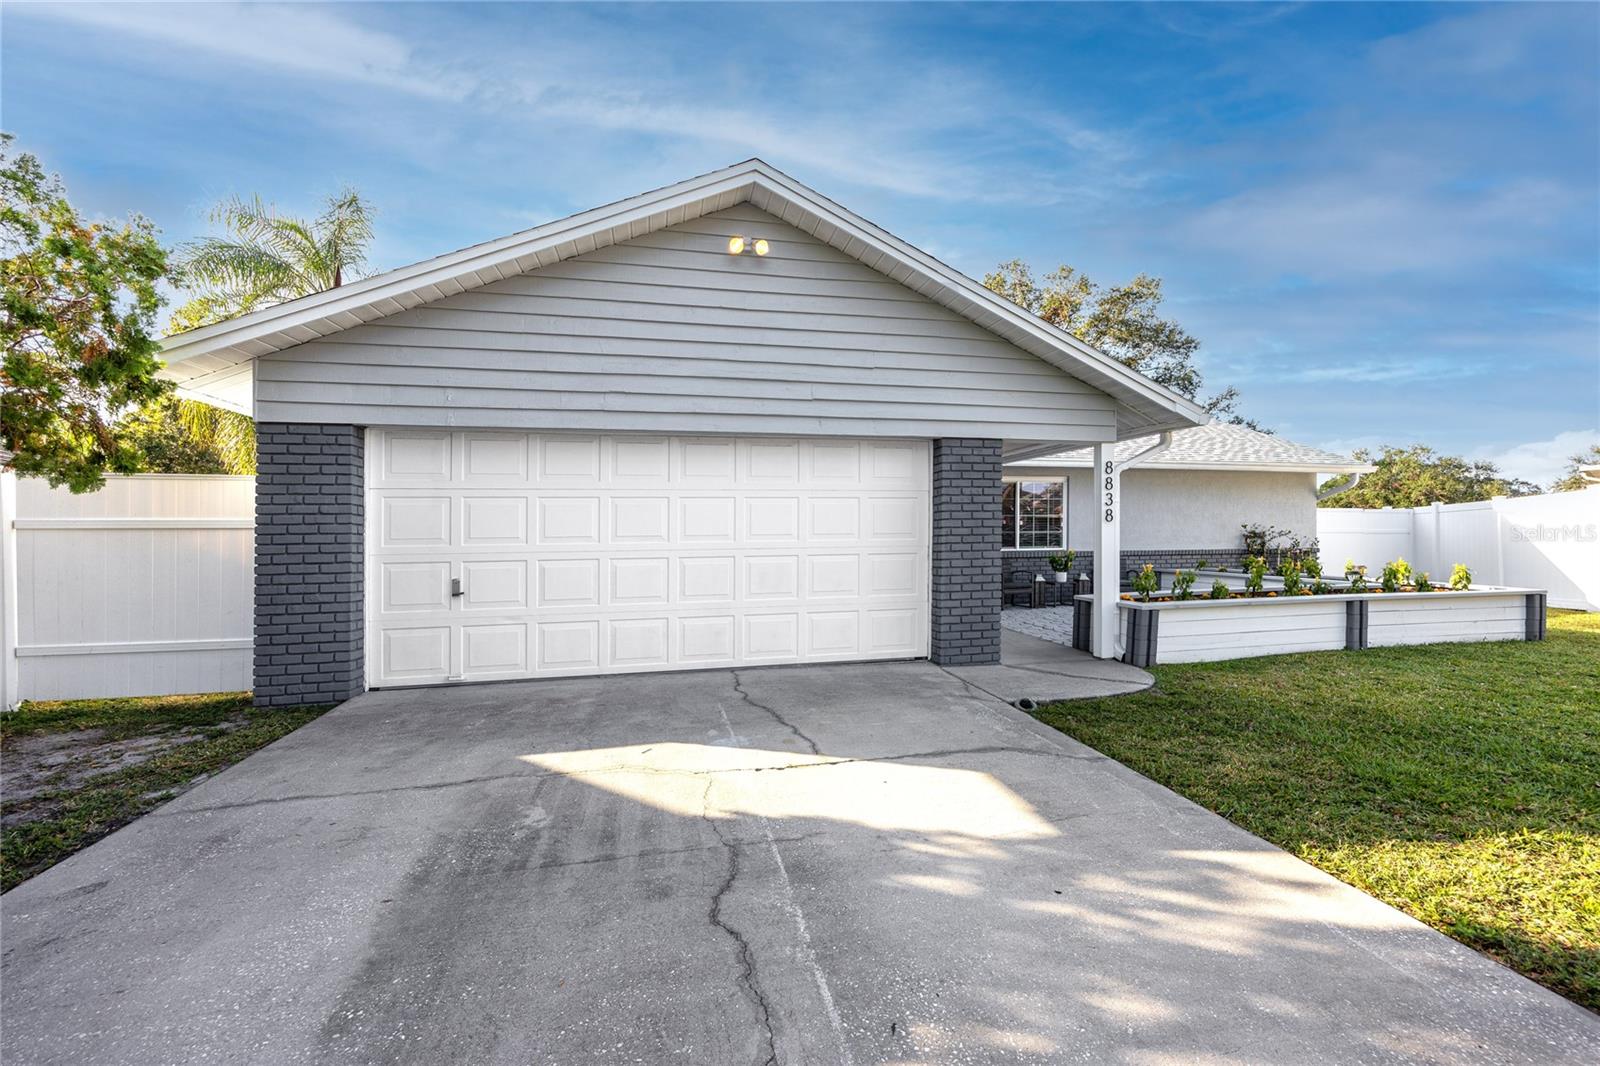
(966, 551)
(310, 515)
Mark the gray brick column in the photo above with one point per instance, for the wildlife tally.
(966, 551)
(310, 511)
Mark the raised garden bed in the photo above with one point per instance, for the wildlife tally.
(1167, 630)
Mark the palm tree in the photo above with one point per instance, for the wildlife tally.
(266, 258)
(262, 258)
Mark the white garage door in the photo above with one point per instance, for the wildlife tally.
(499, 555)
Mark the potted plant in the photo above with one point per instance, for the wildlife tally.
(1062, 565)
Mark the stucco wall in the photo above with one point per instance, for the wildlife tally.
(1190, 509)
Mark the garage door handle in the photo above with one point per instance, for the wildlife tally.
(455, 586)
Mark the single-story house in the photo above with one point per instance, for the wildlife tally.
(726, 422)
(1181, 504)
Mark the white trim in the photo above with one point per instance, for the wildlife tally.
(1182, 464)
(129, 647)
(1016, 528)
(135, 523)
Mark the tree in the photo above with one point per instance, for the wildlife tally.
(1417, 476)
(78, 328)
(159, 431)
(1572, 478)
(262, 258)
(1123, 322)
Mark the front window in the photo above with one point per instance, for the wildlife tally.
(1033, 514)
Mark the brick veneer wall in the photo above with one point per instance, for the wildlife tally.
(1038, 561)
(310, 515)
(966, 551)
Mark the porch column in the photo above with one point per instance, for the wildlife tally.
(1107, 552)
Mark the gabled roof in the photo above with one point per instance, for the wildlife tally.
(1216, 447)
(204, 360)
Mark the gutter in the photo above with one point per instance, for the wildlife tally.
(1328, 494)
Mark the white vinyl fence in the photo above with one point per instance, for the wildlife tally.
(144, 588)
(1544, 542)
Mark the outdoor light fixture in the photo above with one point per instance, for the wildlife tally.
(738, 245)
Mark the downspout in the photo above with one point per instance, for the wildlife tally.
(1162, 444)
(1328, 494)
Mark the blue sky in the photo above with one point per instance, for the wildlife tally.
(1383, 222)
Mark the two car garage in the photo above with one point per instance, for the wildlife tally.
(497, 555)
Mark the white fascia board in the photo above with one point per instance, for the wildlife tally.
(1265, 468)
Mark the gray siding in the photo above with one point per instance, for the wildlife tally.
(669, 333)
(310, 534)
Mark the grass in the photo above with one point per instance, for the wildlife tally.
(198, 735)
(1457, 782)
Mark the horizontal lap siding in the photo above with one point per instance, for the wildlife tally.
(669, 333)
(1237, 632)
(1476, 619)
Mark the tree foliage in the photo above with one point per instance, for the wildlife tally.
(1123, 321)
(78, 328)
(263, 258)
(1418, 476)
(260, 259)
(1572, 478)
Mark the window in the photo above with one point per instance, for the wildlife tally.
(1033, 514)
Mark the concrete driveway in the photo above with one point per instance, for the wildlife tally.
(799, 865)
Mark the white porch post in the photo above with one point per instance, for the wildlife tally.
(1107, 552)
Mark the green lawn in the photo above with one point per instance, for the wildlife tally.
(77, 770)
(1458, 782)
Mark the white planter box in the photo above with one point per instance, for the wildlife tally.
(1203, 630)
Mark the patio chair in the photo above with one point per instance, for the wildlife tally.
(1020, 583)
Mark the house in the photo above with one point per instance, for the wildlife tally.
(726, 422)
(1180, 505)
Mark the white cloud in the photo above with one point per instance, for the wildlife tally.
(1391, 371)
(1539, 461)
(298, 39)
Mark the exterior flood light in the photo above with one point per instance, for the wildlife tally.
(738, 245)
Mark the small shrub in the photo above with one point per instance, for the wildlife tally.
(1423, 584)
(1145, 582)
(1460, 578)
(1351, 569)
(1358, 578)
(1258, 570)
(1320, 587)
(1394, 576)
(1312, 566)
(1403, 569)
(1290, 572)
(1220, 590)
(1202, 564)
(1183, 585)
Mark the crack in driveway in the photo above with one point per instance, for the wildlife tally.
(747, 961)
(738, 687)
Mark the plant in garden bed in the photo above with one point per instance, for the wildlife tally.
(1460, 578)
(1312, 566)
(1290, 572)
(1395, 576)
(1358, 578)
(1183, 585)
(1220, 590)
(1320, 587)
(1423, 584)
(1202, 564)
(1257, 570)
(1145, 582)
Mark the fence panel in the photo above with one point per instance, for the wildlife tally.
(1550, 541)
(142, 588)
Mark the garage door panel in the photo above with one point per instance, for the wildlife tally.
(499, 554)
